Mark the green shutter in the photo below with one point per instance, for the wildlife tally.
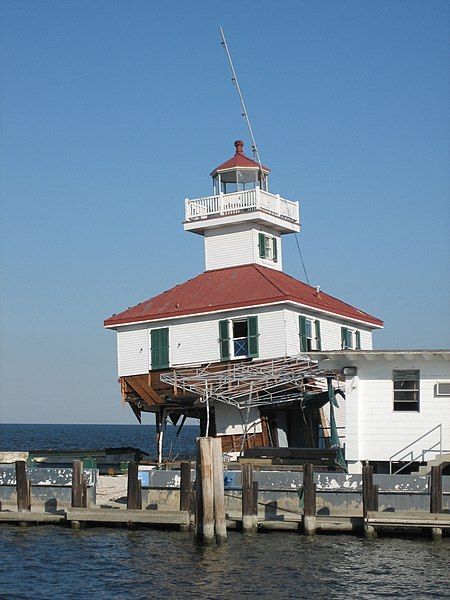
(262, 245)
(224, 340)
(252, 337)
(275, 249)
(318, 337)
(358, 340)
(303, 337)
(344, 338)
(160, 348)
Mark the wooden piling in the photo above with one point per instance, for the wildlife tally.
(220, 526)
(185, 490)
(309, 496)
(77, 484)
(185, 486)
(134, 501)
(247, 498)
(22, 487)
(207, 490)
(255, 505)
(369, 498)
(436, 498)
(436, 489)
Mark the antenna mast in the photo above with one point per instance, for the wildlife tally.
(235, 82)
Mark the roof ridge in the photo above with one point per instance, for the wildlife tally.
(258, 268)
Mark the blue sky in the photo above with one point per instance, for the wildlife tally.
(114, 112)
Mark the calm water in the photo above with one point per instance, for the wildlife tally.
(64, 437)
(54, 562)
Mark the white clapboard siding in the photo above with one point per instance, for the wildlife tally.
(236, 245)
(374, 431)
(132, 350)
(228, 246)
(196, 339)
(229, 420)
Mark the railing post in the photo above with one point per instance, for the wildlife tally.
(221, 203)
(279, 205)
(186, 209)
(257, 198)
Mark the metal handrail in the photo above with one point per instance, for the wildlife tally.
(411, 453)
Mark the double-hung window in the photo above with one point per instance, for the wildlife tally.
(350, 339)
(310, 337)
(406, 390)
(267, 247)
(238, 338)
(346, 338)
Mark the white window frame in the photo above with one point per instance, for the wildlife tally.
(232, 338)
(398, 389)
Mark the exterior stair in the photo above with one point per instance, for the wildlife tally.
(440, 459)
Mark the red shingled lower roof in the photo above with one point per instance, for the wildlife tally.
(236, 287)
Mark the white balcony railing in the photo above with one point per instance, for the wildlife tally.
(238, 202)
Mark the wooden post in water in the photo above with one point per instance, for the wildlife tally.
(309, 496)
(22, 487)
(436, 497)
(185, 490)
(247, 498)
(207, 490)
(220, 525)
(133, 487)
(77, 489)
(198, 497)
(368, 499)
(77, 484)
(255, 505)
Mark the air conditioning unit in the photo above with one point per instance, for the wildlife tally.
(443, 388)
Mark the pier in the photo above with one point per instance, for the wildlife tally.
(209, 500)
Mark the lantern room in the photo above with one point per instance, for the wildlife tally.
(239, 173)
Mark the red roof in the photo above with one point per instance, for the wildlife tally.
(236, 287)
(239, 160)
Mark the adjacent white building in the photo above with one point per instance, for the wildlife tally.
(397, 406)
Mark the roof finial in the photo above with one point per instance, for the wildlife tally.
(239, 145)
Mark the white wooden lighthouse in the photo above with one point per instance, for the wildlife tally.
(242, 223)
(243, 307)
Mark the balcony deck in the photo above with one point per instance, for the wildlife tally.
(245, 202)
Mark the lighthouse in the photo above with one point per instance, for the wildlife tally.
(242, 222)
(243, 309)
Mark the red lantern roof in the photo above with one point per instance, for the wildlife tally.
(239, 160)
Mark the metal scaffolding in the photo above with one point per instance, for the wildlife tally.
(246, 384)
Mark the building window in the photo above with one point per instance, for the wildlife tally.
(240, 337)
(346, 338)
(406, 390)
(267, 247)
(159, 341)
(350, 339)
(244, 338)
(310, 336)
